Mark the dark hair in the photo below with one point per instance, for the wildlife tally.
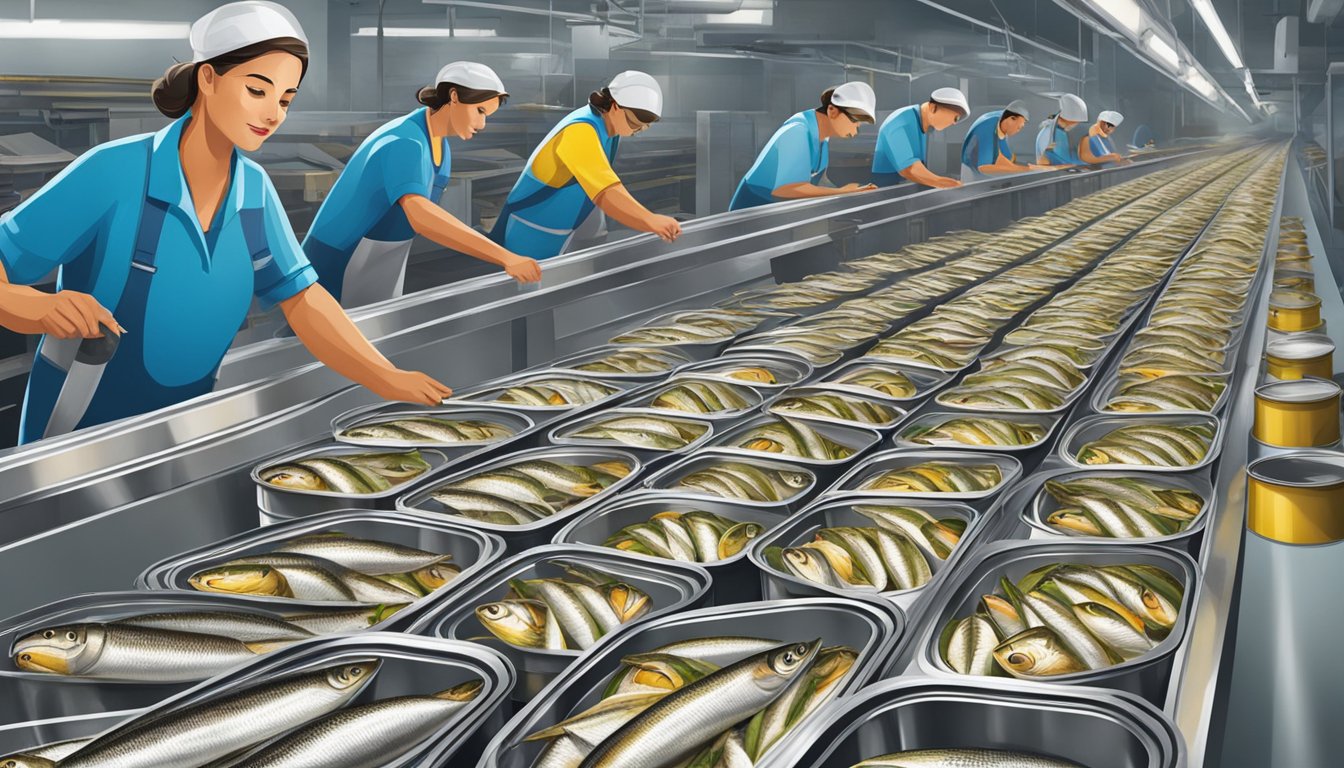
(438, 96)
(602, 101)
(826, 103)
(176, 91)
(1108, 125)
(1008, 113)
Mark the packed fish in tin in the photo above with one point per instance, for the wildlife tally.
(560, 613)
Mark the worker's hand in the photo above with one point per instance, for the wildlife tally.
(410, 387)
(1039, 167)
(856, 187)
(523, 269)
(943, 182)
(665, 227)
(65, 315)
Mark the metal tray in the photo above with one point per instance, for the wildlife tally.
(518, 422)
(17, 737)
(410, 665)
(472, 550)
(934, 418)
(859, 440)
(479, 396)
(1103, 394)
(856, 393)
(672, 587)
(1009, 467)
(869, 626)
(568, 362)
(563, 434)
(926, 380)
(1147, 676)
(735, 580)
(831, 512)
(1069, 399)
(788, 371)
(705, 349)
(1032, 504)
(36, 696)
(1091, 428)
(1089, 726)
(518, 537)
(666, 479)
(756, 346)
(279, 504)
(753, 397)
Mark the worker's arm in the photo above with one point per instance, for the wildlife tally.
(328, 333)
(1003, 165)
(442, 227)
(920, 174)
(617, 202)
(65, 315)
(804, 189)
(1085, 152)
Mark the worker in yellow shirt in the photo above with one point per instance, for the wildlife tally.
(570, 173)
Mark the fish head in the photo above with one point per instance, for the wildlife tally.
(517, 622)
(463, 691)
(785, 663)
(808, 563)
(1036, 651)
(795, 479)
(293, 477)
(25, 761)
(737, 537)
(627, 601)
(354, 676)
(759, 375)
(431, 577)
(241, 579)
(65, 650)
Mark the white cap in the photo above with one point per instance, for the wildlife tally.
(856, 95)
(952, 97)
(1018, 107)
(470, 74)
(238, 25)
(637, 90)
(1072, 108)
(1111, 116)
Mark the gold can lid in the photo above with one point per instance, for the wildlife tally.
(1306, 390)
(1290, 299)
(1300, 346)
(1301, 469)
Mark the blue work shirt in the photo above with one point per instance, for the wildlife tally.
(794, 154)
(1100, 145)
(394, 161)
(1052, 143)
(84, 223)
(901, 142)
(983, 145)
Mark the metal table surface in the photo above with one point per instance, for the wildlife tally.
(74, 499)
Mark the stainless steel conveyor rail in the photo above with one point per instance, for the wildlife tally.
(493, 326)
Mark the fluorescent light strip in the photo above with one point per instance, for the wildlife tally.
(1126, 13)
(1219, 32)
(424, 32)
(61, 29)
(1161, 49)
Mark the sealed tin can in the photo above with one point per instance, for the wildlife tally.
(1294, 310)
(1295, 498)
(1089, 726)
(1298, 355)
(1302, 413)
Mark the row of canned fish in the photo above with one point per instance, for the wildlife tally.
(767, 479)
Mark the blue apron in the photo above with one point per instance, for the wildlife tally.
(538, 219)
(126, 385)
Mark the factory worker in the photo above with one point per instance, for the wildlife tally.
(793, 162)
(1097, 147)
(390, 190)
(903, 140)
(162, 240)
(985, 151)
(570, 172)
(1053, 146)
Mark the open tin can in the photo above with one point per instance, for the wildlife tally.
(1297, 498)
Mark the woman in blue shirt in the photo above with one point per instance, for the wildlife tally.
(175, 231)
(389, 192)
(793, 163)
(1053, 146)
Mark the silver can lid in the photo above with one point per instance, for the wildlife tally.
(1290, 299)
(1302, 469)
(1301, 346)
(1308, 390)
